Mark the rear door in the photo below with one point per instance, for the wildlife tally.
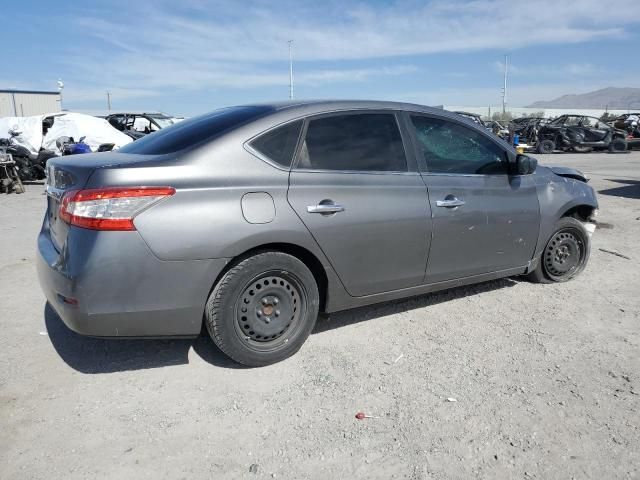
(363, 200)
(484, 220)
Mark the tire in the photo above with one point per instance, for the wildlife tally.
(546, 146)
(565, 254)
(618, 145)
(263, 309)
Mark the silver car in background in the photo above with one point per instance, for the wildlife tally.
(255, 218)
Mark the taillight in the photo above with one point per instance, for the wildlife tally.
(109, 208)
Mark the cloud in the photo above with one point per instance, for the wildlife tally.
(548, 71)
(198, 45)
(258, 31)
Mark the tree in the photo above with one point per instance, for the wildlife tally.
(502, 117)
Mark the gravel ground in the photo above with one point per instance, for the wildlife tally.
(546, 378)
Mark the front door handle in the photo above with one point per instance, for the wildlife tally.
(325, 208)
(449, 202)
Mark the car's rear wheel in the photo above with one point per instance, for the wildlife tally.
(263, 309)
(565, 255)
(618, 145)
(546, 146)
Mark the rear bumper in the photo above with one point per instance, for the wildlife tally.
(121, 288)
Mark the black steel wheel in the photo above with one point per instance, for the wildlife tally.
(263, 308)
(565, 255)
(270, 305)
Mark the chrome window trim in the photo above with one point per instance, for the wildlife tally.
(351, 172)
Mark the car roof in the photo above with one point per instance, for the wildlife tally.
(577, 115)
(295, 108)
(469, 114)
(149, 113)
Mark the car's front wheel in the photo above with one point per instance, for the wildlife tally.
(263, 309)
(565, 255)
(546, 146)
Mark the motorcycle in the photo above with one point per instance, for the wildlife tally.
(30, 166)
(9, 178)
(68, 146)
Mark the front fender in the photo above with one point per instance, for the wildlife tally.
(557, 195)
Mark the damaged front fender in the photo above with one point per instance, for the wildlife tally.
(561, 191)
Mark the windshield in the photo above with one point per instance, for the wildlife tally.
(163, 121)
(192, 132)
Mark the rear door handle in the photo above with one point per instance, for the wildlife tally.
(449, 202)
(325, 208)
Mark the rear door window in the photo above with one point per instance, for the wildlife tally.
(452, 148)
(279, 144)
(367, 142)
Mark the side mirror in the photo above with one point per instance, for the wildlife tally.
(525, 165)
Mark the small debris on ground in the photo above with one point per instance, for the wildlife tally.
(44, 332)
(362, 416)
(614, 253)
(253, 468)
(396, 360)
(451, 399)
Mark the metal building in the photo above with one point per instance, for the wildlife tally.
(23, 103)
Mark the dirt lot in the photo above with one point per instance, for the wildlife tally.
(546, 378)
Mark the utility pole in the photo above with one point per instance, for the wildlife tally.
(108, 100)
(290, 70)
(60, 88)
(504, 88)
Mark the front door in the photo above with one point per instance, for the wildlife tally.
(598, 132)
(484, 220)
(365, 206)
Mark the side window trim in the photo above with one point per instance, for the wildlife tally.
(422, 162)
(406, 144)
(249, 148)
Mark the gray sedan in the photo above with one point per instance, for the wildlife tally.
(255, 218)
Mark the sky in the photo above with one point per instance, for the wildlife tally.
(186, 57)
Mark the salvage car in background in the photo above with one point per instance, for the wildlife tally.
(527, 128)
(258, 217)
(624, 121)
(137, 125)
(630, 123)
(32, 141)
(493, 126)
(581, 134)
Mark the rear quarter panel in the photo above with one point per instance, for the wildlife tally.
(204, 219)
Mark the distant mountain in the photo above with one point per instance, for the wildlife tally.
(611, 97)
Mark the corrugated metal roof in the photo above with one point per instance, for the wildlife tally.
(38, 92)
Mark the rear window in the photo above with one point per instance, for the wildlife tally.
(194, 131)
(280, 143)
